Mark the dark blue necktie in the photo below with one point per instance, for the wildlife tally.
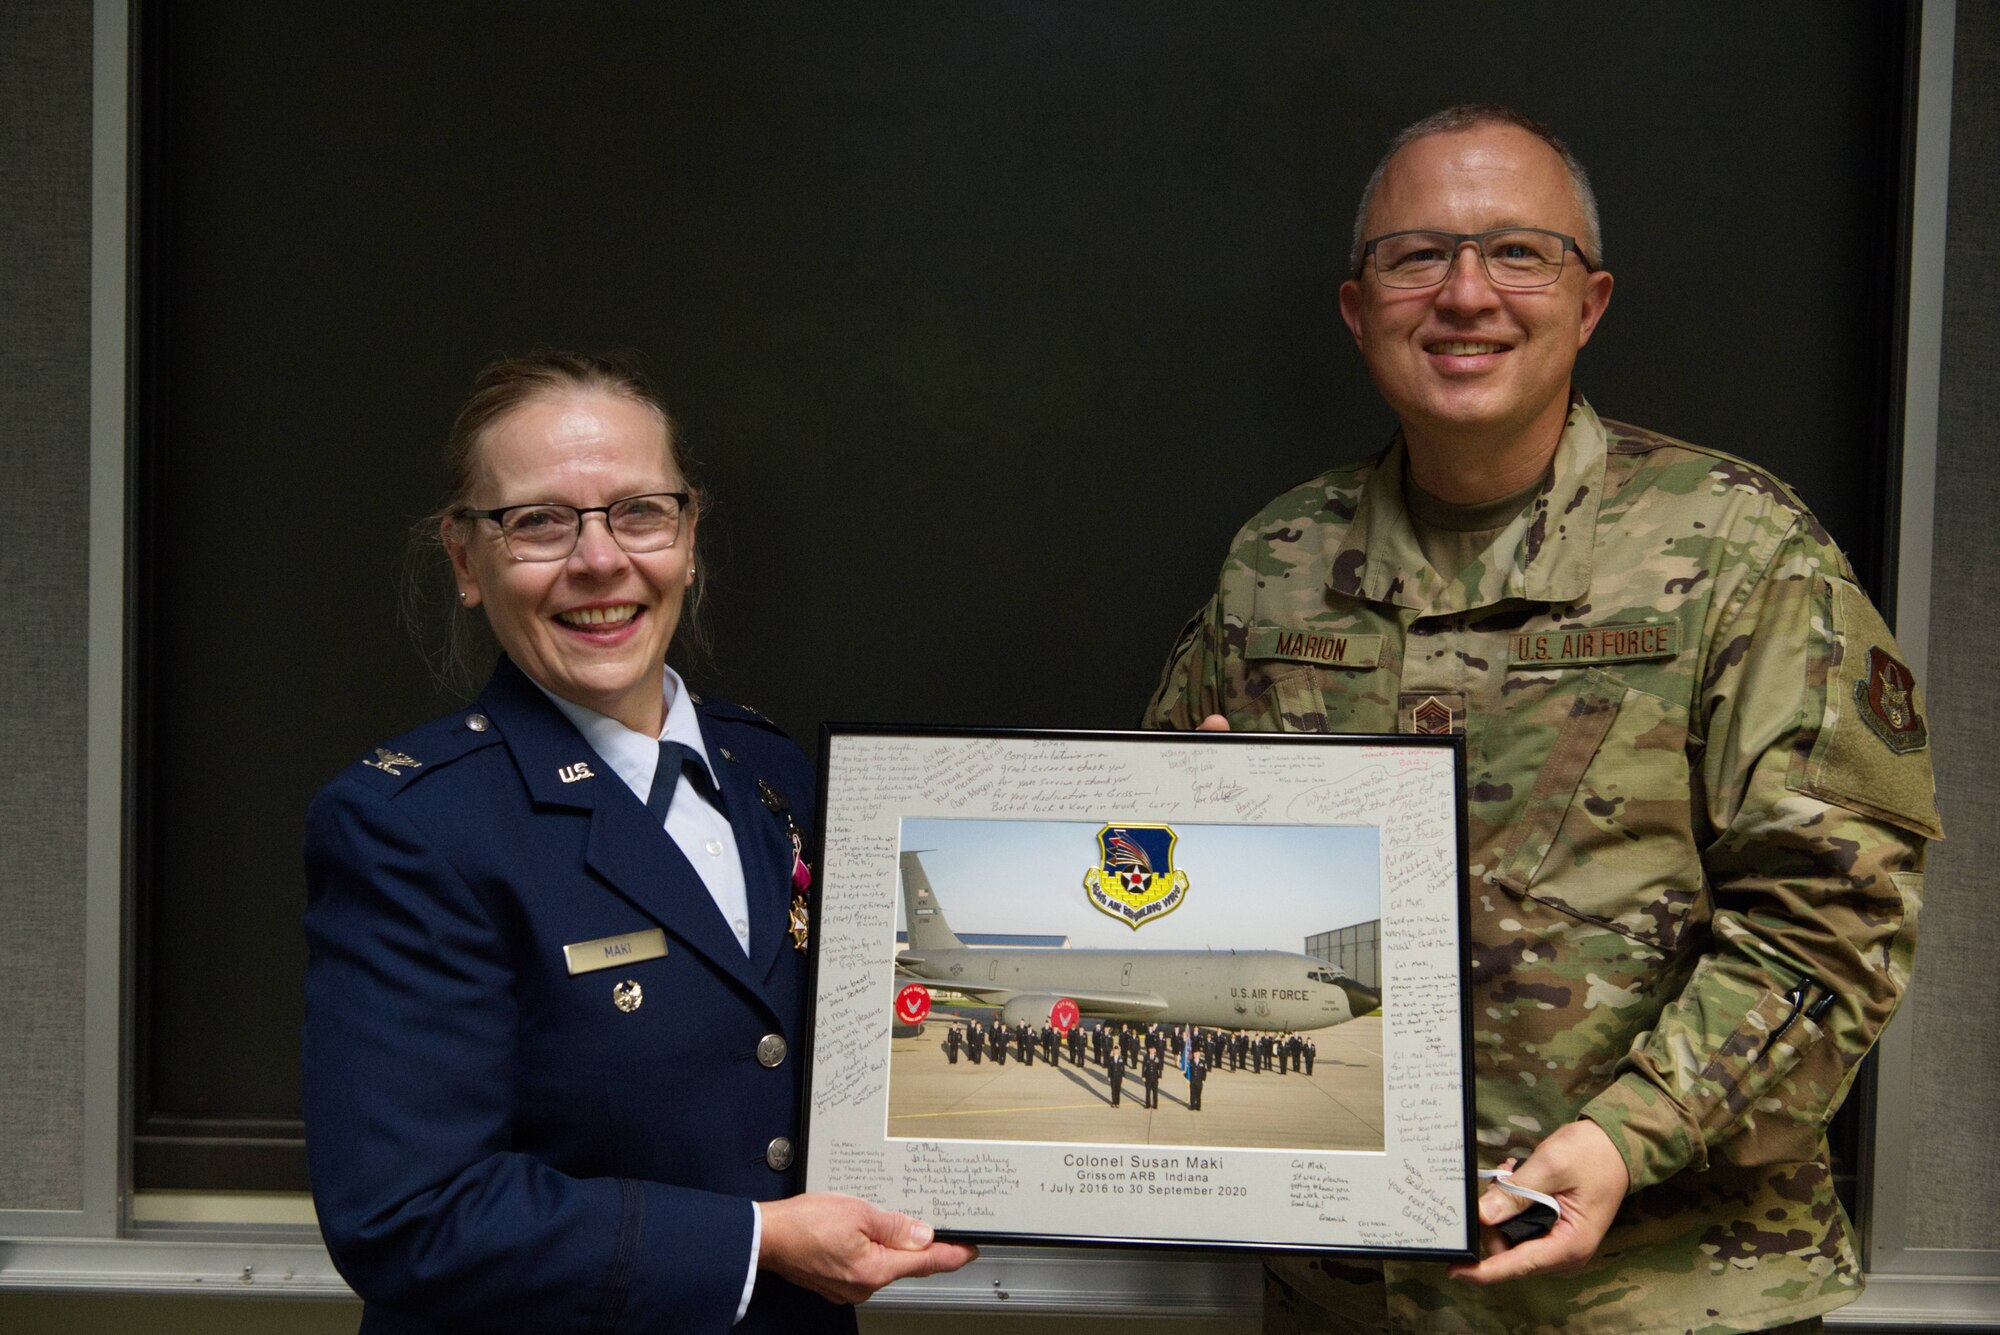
(674, 756)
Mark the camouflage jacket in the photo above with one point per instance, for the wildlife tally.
(1698, 792)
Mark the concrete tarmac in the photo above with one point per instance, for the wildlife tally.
(1337, 1107)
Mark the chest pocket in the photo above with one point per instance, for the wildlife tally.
(1299, 697)
(1604, 832)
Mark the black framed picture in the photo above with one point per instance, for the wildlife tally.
(1062, 989)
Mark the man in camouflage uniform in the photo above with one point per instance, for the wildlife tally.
(1698, 789)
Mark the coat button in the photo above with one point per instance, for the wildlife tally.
(477, 722)
(771, 1049)
(778, 1154)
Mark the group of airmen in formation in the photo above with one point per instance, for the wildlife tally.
(1146, 1053)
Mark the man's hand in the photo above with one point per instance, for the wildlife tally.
(843, 1248)
(1581, 1168)
(1578, 1165)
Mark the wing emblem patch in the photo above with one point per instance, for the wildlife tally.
(1888, 703)
(1135, 880)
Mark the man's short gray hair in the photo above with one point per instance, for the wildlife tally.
(1468, 116)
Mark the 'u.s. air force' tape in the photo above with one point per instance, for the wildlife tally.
(1540, 1216)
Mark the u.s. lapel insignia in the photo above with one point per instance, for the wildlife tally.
(387, 760)
(1888, 700)
(576, 773)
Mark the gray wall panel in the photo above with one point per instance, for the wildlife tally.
(45, 219)
(1955, 1150)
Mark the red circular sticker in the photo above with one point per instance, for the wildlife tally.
(913, 1003)
(1063, 1015)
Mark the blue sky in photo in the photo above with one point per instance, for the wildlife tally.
(1250, 887)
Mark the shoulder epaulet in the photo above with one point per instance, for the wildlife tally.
(424, 750)
(1334, 492)
(1624, 439)
(728, 712)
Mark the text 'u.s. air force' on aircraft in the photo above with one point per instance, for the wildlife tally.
(1221, 989)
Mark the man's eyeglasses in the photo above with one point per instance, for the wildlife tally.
(548, 532)
(1513, 256)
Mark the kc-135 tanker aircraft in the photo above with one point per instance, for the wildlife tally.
(1221, 989)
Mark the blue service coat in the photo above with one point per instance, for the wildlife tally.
(495, 1144)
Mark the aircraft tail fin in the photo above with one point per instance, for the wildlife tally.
(922, 914)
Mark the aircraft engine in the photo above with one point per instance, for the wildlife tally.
(1029, 1008)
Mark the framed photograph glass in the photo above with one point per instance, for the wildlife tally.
(1180, 989)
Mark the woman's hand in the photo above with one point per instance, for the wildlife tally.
(843, 1248)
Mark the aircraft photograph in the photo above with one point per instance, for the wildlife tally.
(1134, 983)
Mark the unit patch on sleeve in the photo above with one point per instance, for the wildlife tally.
(1888, 699)
(1870, 754)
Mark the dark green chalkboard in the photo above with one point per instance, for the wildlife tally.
(991, 320)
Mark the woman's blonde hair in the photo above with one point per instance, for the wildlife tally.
(453, 640)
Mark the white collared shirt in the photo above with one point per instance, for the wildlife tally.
(693, 823)
(701, 831)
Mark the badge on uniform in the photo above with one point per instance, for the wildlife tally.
(1888, 700)
(801, 869)
(800, 927)
(773, 799)
(608, 952)
(387, 760)
(1432, 713)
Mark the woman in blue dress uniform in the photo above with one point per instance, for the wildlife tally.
(554, 1004)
